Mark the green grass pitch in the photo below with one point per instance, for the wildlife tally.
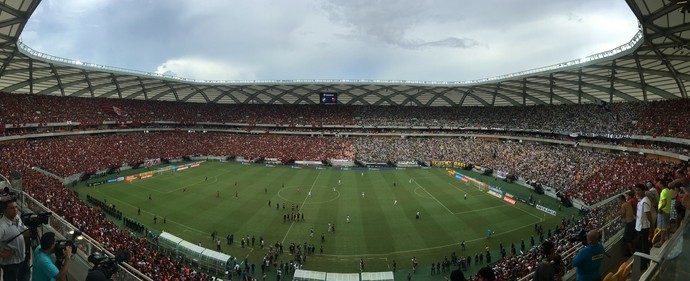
(234, 198)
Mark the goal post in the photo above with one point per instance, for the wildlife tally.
(468, 181)
(481, 186)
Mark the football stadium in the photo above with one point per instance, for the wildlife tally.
(572, 171)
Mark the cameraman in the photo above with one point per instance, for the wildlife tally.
(44, 268)
(588, 260)
(12, 247)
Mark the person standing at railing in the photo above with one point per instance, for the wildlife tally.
(628, 217)
(643, 220)
(684, 183)
(664, 214)
(588, 260)
(12, 246)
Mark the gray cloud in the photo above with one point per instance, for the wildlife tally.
(451, 42)
(391, 22)
(440, 40)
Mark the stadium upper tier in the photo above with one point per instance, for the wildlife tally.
(651, 66)
(660, 118)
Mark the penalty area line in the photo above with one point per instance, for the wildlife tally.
(432, 197)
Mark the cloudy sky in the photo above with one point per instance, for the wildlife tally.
(439, 40)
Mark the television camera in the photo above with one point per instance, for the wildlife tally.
(105, 266)
(61, 245)
(34, 220)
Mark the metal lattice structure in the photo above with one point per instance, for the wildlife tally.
(654, 65)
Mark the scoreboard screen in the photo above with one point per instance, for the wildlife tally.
(329, 98)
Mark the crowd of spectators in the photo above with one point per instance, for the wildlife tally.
(588, 175)
(93, 222)
(642, 118)
(70, 155)
(576, 172)
(642, 144)
(514, 267)
(566, 167)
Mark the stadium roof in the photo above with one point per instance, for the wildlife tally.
(654, 65)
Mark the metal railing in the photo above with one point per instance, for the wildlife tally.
(669, 251)
(610, 233)
(85, 247)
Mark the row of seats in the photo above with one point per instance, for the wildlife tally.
(624, 271)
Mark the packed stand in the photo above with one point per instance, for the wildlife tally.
(559, 166)
(610, 218)
(649, 118)
(583, 174)
(71, 155)
(93, 222)
(566, 237)
(578, 173)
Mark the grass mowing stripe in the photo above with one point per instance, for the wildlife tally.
(377, 205)
(468, 194)
(301, 206)
(379, 234)
(427, 192)
(491, 196)
(432, 248)
(146, 212)
(482, 209)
